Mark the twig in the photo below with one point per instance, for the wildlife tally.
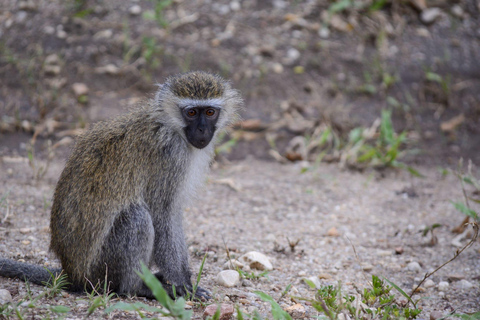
(457, 253)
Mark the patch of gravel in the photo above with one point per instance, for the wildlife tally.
(266, 205)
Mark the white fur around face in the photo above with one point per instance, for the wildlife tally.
(198, 168)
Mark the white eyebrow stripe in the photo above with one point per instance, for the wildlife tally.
(215, 102)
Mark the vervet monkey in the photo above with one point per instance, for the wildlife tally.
(119, 201)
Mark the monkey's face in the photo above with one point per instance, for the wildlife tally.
(201, 124)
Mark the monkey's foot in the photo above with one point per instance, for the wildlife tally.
(201, 294)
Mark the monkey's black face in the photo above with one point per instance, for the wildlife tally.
(201, 124)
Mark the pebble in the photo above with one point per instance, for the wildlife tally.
(27, 5)
(414, 266)
(277, 67)
(5, 296)
(333, 232)
(314, 280)
(233, 264)
(110, 69)
(235, 5)
(52, 70)
(228, 278)
(429, 15)
(247, 283)
(443, 286)
(256, 260)
(293, 54)
(49, 30)
(455, 277)
(79, 89)
(324, 33)
(297, 311)
(464, 285)
(429, 283)
(135, 10)
(457, 11)
(226, 311)
(103, 34)
(52, 59)
(20, 16)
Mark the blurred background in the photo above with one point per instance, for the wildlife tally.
(366, 83)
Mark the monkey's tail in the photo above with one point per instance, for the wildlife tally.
(30, 272)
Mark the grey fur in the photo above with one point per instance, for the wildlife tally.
(121, 195)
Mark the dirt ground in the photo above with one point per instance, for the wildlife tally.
(257, 205)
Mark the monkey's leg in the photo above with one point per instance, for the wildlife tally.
(129, 243)
(171, 256)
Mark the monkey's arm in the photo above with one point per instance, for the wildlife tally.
(171, 256)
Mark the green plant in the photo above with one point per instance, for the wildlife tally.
(97, 299)
(374, 302)
(56, 284)
(170, 308)
(157, 13)
(277, 312)
(252, 275)
(468, 178)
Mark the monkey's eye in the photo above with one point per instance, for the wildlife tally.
(210, 112)
(191, 112)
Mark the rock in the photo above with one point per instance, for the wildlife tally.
(228, 278)
(247, 283)
(103, 34)
(429, 283)
(324, 33)
(292, 56)
(79, 89)
(50, 70)
(235, 5)
(429, 15)
(297, 311)
(49, 30)
(135, 10)
(453, 123)
(5, 296)
(27, 5)
(256, 260)
(457, 11)
(384, 253)
(398, 250)
(52, 59)
(443, 286)
(226, 311)
(233, 264)
(110, 69)
(455, 277)
(464, 285)
(414, 266)
(277, 67)
(333, 232)
(21, 16)
(314, 280)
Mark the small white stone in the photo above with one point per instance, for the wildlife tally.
(293, 54)
(103, 34)
(52, 59)
(324, 33)
(414, 266)
(79, 89)
(457, 11)
(49, 30)
(108, 69)
(228, 278)
(430, 15)
(443, 286)
(463, 284)
(61, 34)
(277, 67)
(429, 283)
(256, 260)
(235, 5)
(314, 280)
(233, 264)
(5, 296)
(135, 10)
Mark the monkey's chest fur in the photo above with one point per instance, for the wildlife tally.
(132, 161)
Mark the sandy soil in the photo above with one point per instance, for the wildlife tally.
(256, 205)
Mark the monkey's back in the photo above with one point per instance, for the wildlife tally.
(113, 165)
